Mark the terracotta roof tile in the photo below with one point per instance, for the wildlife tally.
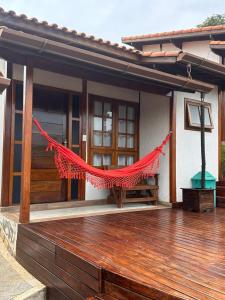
(161, 54)
(172, 33)
(67, 31)
(217, 43)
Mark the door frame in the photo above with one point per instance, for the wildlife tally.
(82, 114)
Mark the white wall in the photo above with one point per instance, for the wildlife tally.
(200, 48)
(50, 79)
(2, 109)
(188, 143)
(154, 126)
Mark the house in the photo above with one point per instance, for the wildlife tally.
(108, 103)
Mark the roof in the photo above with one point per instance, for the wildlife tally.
(26, 24)
(218, 47)
(33, 45)
(161, 53)
(217, 43)
(200, 31)
(178, 62)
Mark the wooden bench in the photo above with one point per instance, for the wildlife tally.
(142, 192)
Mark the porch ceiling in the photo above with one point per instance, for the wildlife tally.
(40, 46)
(199, 67)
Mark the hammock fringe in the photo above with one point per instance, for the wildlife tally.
(71, 166)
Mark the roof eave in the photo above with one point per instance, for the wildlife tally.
(192, 35)
(73, 53)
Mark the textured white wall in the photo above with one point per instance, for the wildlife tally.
(50, 79)
(154, 126)
(188, 143)
(151, 48)
(200, 48)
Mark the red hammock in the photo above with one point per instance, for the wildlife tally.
(70, 165)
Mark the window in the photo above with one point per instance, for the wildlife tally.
(113, 132)
(193, 114)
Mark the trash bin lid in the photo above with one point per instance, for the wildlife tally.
(208, 176)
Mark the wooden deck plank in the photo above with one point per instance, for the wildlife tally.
(161, 254)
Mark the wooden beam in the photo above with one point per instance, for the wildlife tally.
(27, 139)
(7, 140)
(172, 155)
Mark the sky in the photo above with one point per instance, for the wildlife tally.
(112, 19)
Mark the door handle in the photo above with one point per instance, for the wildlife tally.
(65, 143)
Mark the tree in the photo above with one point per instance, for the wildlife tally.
(217, 19)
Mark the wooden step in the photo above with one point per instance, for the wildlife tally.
(220, 201)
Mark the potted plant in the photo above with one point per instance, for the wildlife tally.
(200, 198)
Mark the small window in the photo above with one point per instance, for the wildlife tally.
(193, 115)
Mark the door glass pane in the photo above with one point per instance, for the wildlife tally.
(194, 114)
(107, 139)
(130, 127)
(97, 139)
(97, 123)
(130, 113)
(97, 108)
(107, 160)
(17, 157)
(130, 141)
(74, 189)
(16, 189)
(18, 127)
(97, 160)
(108, 110)
(76, 150)
(75, 132)
(75, 106)
(130, 160)
(122, 126)
(122, 112)
(207, 117)
(121, 160)
(19, 97)
(122, 141)
(107, 124)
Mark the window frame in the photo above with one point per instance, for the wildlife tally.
(188, 124)
(114, 150)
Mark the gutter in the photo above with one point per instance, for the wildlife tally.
(204, 63)
(42, 45)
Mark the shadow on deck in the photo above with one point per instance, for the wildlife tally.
(160, 254)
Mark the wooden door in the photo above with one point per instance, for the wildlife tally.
(51, 109)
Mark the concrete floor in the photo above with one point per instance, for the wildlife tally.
(62, 213)
(15, 282)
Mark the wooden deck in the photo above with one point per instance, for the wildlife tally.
(162, 254)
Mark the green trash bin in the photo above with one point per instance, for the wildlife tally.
(210, 182)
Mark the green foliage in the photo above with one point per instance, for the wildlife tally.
(223, 159)
(216, 19)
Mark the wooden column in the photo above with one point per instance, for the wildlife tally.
(220, 106)
(27, 139)
(172, 155)
(7, 140)
(83, 131)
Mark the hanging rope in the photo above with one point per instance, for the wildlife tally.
(70, 165)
